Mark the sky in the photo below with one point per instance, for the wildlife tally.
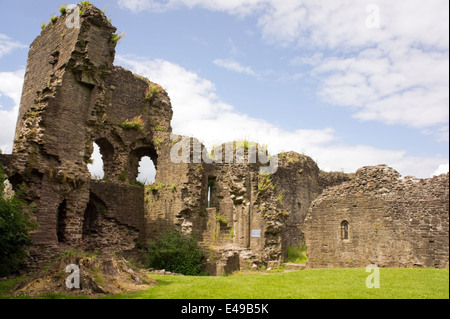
(350, 83)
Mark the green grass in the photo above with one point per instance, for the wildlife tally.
(305, 284)
(296, 255)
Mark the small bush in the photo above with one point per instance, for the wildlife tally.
(63, 10)
(265, 183)
(280, 198)
(15, 227)
(176, 253)
(221, 219)
(85, 3)
(115, 38)
(136, 123)
(158, 141)
(154, 187)
(152, 91)
(54, 19)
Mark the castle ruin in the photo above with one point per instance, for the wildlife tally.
(73, 96)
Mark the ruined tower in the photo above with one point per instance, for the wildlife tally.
(74, 96)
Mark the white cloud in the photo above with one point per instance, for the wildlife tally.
(234, 66)
(11, 87)
(334, 24)
(200, 113)
(380, 86)
(442, 169)
(396, 74)
(7, 45)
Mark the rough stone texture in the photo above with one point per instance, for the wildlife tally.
(224, 223)
(393, 222)
(297, 187)
(73, 97)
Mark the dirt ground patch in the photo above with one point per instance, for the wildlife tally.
(97, 276)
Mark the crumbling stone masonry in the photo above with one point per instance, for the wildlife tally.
(380, 218)
(73, 96)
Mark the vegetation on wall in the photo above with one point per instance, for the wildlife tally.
(136, 123)
(152, 91)
(115, 38)
(265, 183)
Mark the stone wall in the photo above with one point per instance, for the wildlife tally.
(392, 222)
(73, 97)
(220, 203)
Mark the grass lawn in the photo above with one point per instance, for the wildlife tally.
(304, 284)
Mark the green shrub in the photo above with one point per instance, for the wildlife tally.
(137, 123)
(265, 182)
(296, 254)
(153, 90)
(158, 141)
(176, 253)
(15, 227)
(63, 10)
(115, 38)
(154, 187)
(122, 176)
(221, 219)
(280, 198)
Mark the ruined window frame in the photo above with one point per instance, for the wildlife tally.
(345, 230)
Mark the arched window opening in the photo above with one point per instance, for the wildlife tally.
(95, 164)
(146, 171)
(344, 230)
(101, 164)
(61, 222)
(211, 191)
(143, 165)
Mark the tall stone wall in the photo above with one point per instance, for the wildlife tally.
(73, 96)
(392, 222)
(219, 200)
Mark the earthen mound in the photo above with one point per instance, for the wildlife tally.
(97, 276)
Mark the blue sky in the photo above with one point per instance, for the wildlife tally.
(345, 82)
